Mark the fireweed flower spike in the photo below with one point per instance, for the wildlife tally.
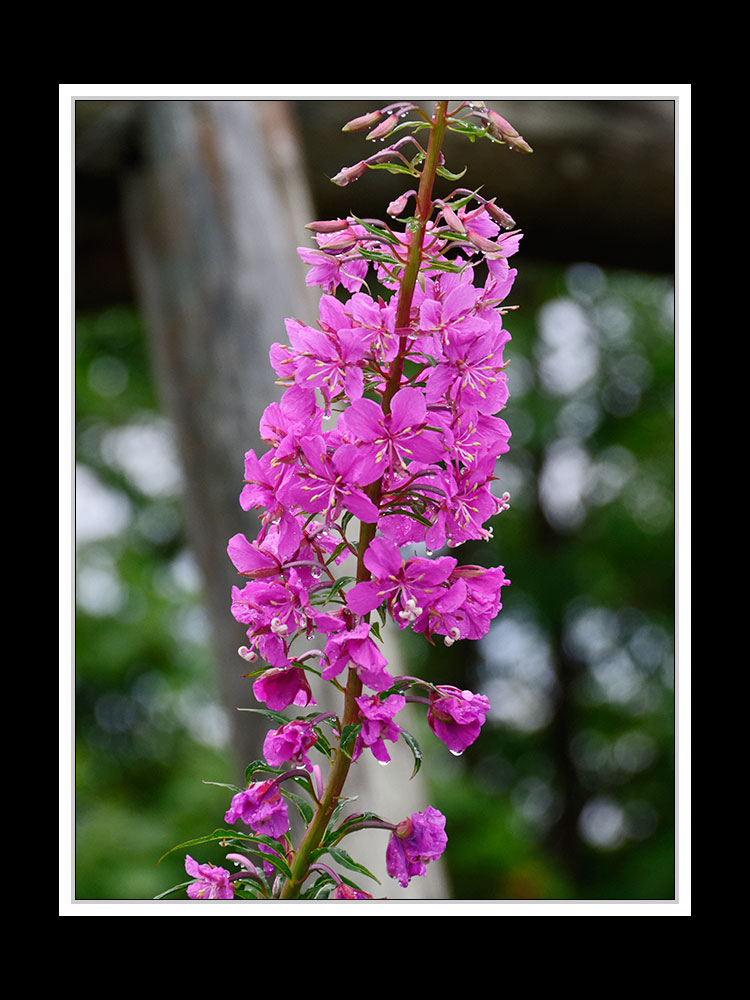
(415, 376)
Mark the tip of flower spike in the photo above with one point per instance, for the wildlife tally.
(363, 122)
(504, 131)
(328, 226)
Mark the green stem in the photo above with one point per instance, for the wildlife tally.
(342, 763)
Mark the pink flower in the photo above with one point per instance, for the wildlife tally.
(262, 808)
(456, 717)
(327, 482)
(329, 270)
(289, 742)
(211, 882)
(356, 647)
(414, 843)
(378, 725)
(410, 586)
(390, 440)
(280, 687)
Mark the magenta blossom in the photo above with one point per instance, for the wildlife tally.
(415, 842)
(329, 270)
(408, 587)
(388, 441)
(211, 882)
(262, 808)
(456, 717)
(378, 725)
(357, 648)
(280, 687)
(290, 742)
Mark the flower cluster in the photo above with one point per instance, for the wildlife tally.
(389, 415)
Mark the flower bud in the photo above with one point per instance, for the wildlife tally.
(481, 243)
(501, 125)
(503, 130)
(383, 128)
(339, 243)
(500, 215)
(363, 122)
(397, 206)
(453, 220)
(328, 226)
(348, 174)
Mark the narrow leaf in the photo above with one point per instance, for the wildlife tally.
(346, 861)
(449, 175)
(182, 885)
(415, 749)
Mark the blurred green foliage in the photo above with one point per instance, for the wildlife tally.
(569, 793)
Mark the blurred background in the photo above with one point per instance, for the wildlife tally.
(187, 216)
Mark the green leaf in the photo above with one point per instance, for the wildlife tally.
(260, 765)
(471, 129)
(337, 810)
(230, 836)
(346, 861)
(245, 893)
(322, 744)
(304, 808)
(348, 736)
(182, 885)
(415, 749)
(337, 552)
(223, 784)
(339, 832)
(442, 265)
(342, 581)
(449, 175)
(381, 234)
(320, 889)
(383, 258)
(394, 168)
(269, 713)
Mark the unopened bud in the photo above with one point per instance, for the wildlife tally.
(485, 245)
(383, 128)
(363, 122)
(500, 215)
(339, 243)
(348, 174)
(453, 220)
(397, 206)
(520, 145)
(328, 226)
(503, 127)
(504, 131)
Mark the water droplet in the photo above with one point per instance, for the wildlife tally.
(383, 763)
(456, 753)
